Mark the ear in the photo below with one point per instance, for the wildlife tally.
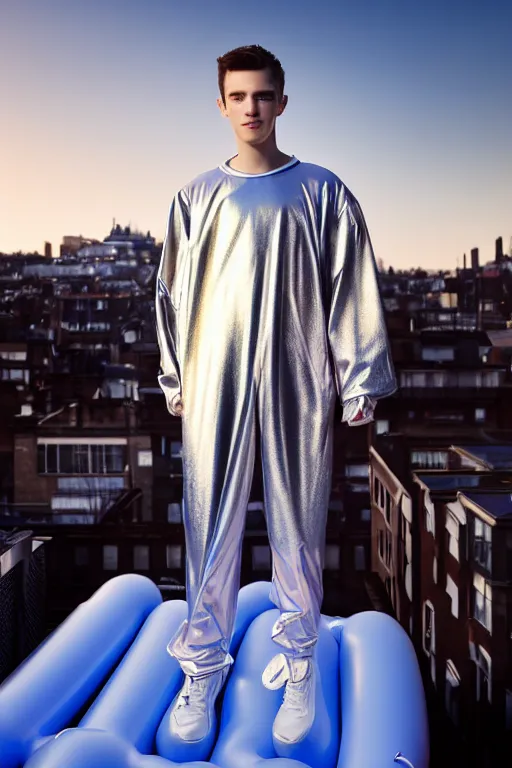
(282, 105)
(222, 108)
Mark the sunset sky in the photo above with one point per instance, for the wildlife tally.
(108, 107)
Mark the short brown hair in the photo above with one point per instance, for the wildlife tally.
(250, 57)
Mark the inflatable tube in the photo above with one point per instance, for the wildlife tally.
(253, 599)
(383, 705)
(249, 709)
(82, 748)
(368, 658)
(132, 703)
(51, 687)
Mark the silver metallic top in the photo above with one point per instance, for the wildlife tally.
(249, 256)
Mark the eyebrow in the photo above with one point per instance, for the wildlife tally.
(256, 93)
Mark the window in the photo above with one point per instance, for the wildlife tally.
(110, 557)
(482, 544)
(261, 560)
(441, 416)
(381, 544)
(430, 520)
(81, 556)
(16, 374)
(359, 558)
(429, 636)
(176, 449)
(47, 462)
(429, 639)
(130, 337)
(434, 569)
(381, 426)
(387, 502)
(491, 378)
(379, 493)
(452, 691)
(141, 557)
(107, 458)
(66, 454)
(453, 591)
(429, 459)
(438, 353)
(483, 675)
(332, 557)
(408, 582)
(357, 470)
(103, 485)
(366, 515)
(376, 485)
(173, 556)
(480, 414)
(482, 601)
(145, 458)
(410, 379)
(174, 512)
(389, 550)
(13, 355)
(81, 458)
(452, 526)
(176, 458)
(355, 487)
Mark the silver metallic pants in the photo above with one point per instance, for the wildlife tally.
(295, 407)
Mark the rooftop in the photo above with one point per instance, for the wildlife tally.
(501, 338)
(498, 505)
(488, 456)
(447, 481)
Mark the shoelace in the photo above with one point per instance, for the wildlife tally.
(295, 695)
(193, 694)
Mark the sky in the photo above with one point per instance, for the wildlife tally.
(108, 107)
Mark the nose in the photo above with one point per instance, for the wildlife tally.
(251, 108)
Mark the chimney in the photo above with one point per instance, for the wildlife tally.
(499, 250)
(474, 259)
(464, 262)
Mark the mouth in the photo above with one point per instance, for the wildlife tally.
(254, 124)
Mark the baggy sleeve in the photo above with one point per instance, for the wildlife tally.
(357, 331)
(172, 262)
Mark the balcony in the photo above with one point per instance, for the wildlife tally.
(451, 392)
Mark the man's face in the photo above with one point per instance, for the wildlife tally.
(252, 104)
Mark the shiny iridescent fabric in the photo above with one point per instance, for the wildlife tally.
(267, 307)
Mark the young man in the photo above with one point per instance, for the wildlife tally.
(267, 304)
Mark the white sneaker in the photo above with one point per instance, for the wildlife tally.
(297, 712)
(193, 711)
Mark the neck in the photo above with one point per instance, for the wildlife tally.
(259, 159)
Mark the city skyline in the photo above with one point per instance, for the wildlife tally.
(409, 106)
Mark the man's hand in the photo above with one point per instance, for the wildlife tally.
(359, 411)
(176, 406)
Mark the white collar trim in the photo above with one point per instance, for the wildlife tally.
(233, 172)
